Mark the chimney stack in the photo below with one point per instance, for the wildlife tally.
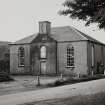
(44, 27)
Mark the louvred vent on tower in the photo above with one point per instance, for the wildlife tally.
(44, 27)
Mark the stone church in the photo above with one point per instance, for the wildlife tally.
(57, 50)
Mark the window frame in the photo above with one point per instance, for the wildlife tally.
(45, 52)
(70, 57)
(93, 55)
(21, 56)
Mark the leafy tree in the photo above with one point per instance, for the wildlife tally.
(91, 11)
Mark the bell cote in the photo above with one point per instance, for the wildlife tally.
(44, 27)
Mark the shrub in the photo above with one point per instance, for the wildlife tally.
(59, 82)
(70, 80)
(4, 77)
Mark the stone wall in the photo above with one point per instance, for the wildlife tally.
(99, 58)
(50, 59)
(80, 57)
(14, 66)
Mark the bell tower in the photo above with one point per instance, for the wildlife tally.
(44, 27)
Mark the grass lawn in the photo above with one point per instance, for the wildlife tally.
(28, 83)
(24, 83)
(94, 99)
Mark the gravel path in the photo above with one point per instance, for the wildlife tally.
(85, 88)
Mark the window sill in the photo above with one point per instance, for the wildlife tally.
(21, 66)
(70, 66)
(43, 59)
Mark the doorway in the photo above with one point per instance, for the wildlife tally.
(43, 67)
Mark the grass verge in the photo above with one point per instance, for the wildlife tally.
(68, 80)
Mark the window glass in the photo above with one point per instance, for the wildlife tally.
(43, 52)
(21, 57)
(70, 56)
(92, 55)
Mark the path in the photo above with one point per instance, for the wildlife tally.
(83, 88)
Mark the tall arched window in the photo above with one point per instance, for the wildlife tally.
(21, 56)
(70, 56)
(43, 52)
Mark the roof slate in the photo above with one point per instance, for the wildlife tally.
(26, 40)
(4, 43)
(65, 33)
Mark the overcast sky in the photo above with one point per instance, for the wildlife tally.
(19, 18)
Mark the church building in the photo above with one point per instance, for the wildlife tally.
(57, 50)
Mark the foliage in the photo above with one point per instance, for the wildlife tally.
(4, 66)
(91, 11)
(4, 77)
(4, 59)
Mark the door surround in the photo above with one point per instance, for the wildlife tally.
(43, 67)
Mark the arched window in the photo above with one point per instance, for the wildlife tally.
(70, 56)
(21, 56)
(43, 52)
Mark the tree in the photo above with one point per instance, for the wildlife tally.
(91, 11)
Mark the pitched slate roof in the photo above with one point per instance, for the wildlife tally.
(89, 38)
(66, 33)
(69, 33)
(26, 40)
(4, 42)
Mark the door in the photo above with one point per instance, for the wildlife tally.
(43, 67)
